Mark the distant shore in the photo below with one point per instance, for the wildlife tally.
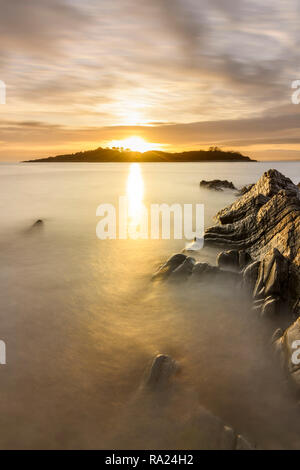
(214, 154)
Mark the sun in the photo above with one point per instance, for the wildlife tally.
(134, 143)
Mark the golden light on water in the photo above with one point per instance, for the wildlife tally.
(134, 143)
(135, 195)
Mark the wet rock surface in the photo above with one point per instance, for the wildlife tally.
(162, 369)
(264, 223)
(260, 237)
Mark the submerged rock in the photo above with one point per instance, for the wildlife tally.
(184, 270)
(217, 185)
(171, 264)
(244, 189)
(233, 259)
(37, 225)
(162, 368)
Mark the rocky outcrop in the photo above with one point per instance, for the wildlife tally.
(217, 185)
(265, 223)
(244, 189)
(261, 235)
(169, 266)
(233, 259)
(181, 267)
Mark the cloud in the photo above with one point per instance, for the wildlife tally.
(37, 26)
(238, 133)
(221, 69)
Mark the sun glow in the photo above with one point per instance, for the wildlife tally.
(135, 196)
(134, 143)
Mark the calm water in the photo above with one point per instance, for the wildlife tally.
(82, 321)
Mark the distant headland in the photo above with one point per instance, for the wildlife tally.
(214, 154)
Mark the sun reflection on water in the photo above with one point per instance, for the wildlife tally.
(135, 195)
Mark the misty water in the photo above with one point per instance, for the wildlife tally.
(82, 320)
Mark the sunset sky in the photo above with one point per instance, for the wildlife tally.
(184, 74)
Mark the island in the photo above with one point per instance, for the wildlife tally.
(115, 154)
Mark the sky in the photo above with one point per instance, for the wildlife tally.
(181, 74)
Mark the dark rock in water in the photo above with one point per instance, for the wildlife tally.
(233, 259)
(206, 272)
(217, 185)
(250, 274)
(200, 268)
(277, 335)
(244, 259)
(165, 270)
(38, 222)
(37, 225)
(228, 259)
(273, 276)
(270, 307)
(162, 368)
(184, 270)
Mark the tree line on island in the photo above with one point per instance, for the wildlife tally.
(119, 154)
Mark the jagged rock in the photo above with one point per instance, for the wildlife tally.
(244, 259)
(207, 272)
(286, 347)
(184, 270)
(250, 274)
(234, 259)
(244, 189)
(265, 218)
(162, 368)
(217, 185)
(276, 335)
(228, 259)
(204, 270)
(270, 307)
(171, 264)
(273, 275)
